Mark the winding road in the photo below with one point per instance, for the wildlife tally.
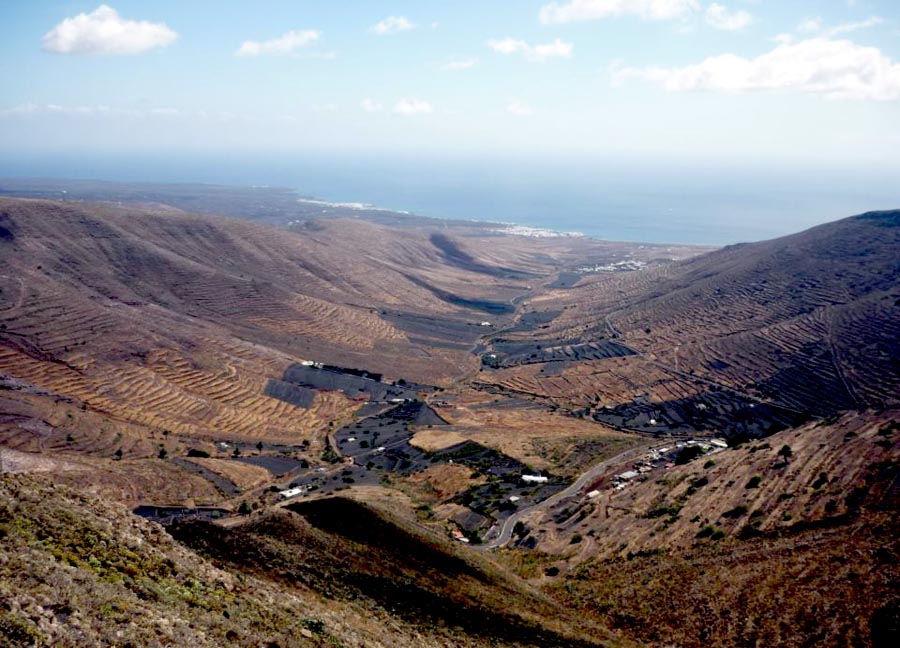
(572, 490)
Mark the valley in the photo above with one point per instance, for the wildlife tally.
(470, 434)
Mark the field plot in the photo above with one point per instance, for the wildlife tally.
(243, 475)
(525, 430)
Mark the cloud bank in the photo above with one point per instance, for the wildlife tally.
(103, 31)
(836, 69)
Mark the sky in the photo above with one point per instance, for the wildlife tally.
(801, 80)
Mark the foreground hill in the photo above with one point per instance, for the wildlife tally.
(792, 541)
(75, 571)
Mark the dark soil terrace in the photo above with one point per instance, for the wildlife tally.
(461, 332)
(735, 417)
(511, 353)
(223, 484)
(379, 446)
(335, 379)
(275, 464)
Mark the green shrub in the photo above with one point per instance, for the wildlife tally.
(736, 512)
(706, 532)
(17, 631)
(754, 482)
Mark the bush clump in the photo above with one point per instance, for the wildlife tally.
(736, 512)
(706, 532)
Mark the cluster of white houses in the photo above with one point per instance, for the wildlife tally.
(662, 458)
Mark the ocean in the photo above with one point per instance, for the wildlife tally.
(655, 201)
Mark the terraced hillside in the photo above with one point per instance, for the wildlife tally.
(134, 333)
(810, 320)
(807, 324)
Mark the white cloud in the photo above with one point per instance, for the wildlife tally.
(507, 46)
(816, 24)
(836, 69)
(721, 17)
(812, 24)
(103, 31)
(412, 107)
(519, 109)
(576, 10)
(461, 64)
(370, 105)
(392, 25)
(281, 46)
(846, 28)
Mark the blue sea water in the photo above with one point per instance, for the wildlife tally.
(656, 201)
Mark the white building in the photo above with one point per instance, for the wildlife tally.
(290, 492)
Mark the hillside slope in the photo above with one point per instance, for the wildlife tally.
(745, 340)
(75, 571)
(790, 541)
(810, 320)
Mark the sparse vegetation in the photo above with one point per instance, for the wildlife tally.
(706, 532)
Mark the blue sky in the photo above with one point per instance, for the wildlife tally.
(801, 80)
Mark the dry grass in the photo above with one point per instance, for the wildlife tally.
(436, 439)
(244, 476)
(441, 482)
